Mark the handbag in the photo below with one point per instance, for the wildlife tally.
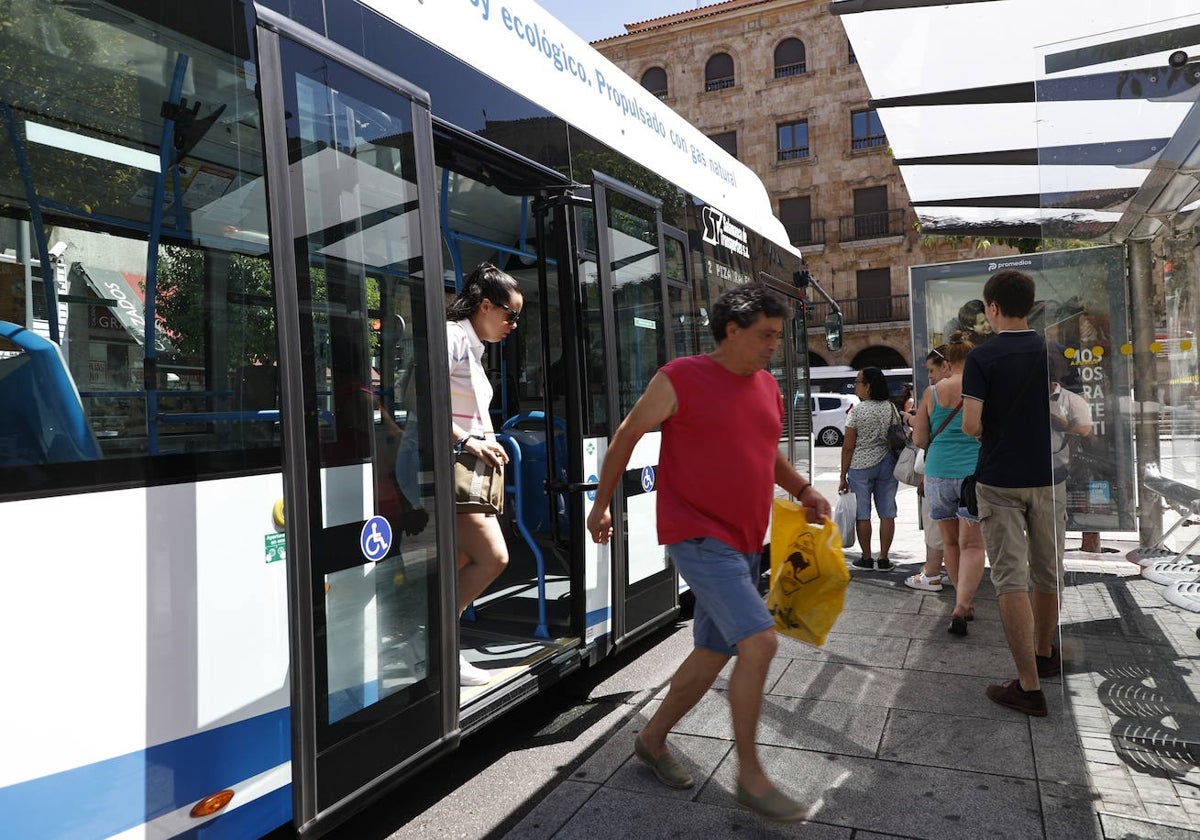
(905, 470)
(911, 463)
(897, 437)
(478, 486)
(845, 511)
(808, 574)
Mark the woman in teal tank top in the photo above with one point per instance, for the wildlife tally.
(950, 458)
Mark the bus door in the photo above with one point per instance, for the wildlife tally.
(360, 301)
(791, 371)
(637, 336)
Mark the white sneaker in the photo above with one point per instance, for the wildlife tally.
(928, 584)
(1168, 572)
(946, 580)
(468, 674)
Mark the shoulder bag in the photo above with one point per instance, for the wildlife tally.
(911, 465)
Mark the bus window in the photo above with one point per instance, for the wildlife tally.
(196, 378)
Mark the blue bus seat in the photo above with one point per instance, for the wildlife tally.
(528, 432)
(42, 420)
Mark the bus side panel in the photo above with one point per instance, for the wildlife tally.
(146, 654)
(646, 555)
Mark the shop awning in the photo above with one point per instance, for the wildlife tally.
(1042, 118)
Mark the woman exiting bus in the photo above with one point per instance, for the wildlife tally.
(867, 465)
(487, 309)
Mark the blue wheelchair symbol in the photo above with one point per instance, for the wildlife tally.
(591, 494)
(375, 538)
(647, 478)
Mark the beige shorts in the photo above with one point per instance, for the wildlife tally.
(933, 534)
(1019, 561)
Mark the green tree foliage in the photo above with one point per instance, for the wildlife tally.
(185, 309)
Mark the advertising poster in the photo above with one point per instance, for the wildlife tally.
(1080, 309)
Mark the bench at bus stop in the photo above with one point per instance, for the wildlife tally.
(1181, 567)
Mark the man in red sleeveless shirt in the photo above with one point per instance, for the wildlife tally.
(721, 416)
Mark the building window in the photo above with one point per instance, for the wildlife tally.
(870, 212)
(796, 215)
(853, 59)
(866, 131)
(793, 140)
(727, 140)
(874, 295)
(718, 72)
(655, 81)
(789, 58)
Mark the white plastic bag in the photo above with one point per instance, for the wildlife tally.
(843, 516)
(919, 465)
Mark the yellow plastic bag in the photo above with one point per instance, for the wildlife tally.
(808, 574)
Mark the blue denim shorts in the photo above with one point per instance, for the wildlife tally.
(878, 482)
(724, 581)
(941, 494)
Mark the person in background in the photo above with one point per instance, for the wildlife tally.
(909, 404)
(1023, 510)
(867, 464)
(487, 309)
(930, 578)
(951, 457)
(721, 416)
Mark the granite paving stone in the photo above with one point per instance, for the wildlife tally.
(959, 743)
(806, 724)
(891, 797)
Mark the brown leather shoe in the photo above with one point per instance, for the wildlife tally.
(1050, 666)
(1011, 694)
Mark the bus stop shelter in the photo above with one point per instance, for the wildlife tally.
(1054, 123)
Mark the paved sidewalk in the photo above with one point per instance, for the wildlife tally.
(887, 730)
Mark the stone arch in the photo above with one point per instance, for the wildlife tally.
(880, 356)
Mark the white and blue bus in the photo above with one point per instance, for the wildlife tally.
(227, 237)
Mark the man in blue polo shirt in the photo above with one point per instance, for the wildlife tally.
(1006, 403)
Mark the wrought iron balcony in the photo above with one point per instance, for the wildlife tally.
(782, 71)
(871, 225)
(811, 232)
(860, 310)
(718, 84)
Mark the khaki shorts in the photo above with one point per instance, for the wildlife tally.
(1019, 562)
(933, 534)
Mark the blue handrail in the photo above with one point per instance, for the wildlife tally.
(514, 470)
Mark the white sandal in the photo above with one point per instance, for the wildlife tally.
(927, 584)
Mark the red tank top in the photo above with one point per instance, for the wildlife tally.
(717, 461)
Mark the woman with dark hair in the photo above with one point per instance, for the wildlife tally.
(867, 464)
(950, 458)
(487, 309)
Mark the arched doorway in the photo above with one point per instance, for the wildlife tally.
(880, 357)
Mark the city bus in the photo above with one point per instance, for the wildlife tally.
(839, 379)
(228, 235)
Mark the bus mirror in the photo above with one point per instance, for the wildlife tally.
(833, 331)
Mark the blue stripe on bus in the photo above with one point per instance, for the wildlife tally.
(110, 796)
(597, 616)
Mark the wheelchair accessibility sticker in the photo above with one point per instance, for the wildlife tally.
(591, 494)
(647, 479)
(375, 538)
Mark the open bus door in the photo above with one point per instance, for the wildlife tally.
(360, 303)
(634, 307)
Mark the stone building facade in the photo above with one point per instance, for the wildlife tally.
(775, 83)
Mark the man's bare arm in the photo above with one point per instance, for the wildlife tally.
(656, 404)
